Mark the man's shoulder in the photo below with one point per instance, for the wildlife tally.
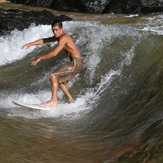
(65, 36)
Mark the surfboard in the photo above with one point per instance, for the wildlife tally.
(34, 106)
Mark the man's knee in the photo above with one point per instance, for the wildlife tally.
(53, 77)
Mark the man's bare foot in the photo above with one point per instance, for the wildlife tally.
(50, 103)
(71, 100)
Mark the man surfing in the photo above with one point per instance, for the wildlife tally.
(67, 71)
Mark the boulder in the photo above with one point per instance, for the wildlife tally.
(39, 3)
(17, 19)
(152, 6)
(99, 6)
(87, 6)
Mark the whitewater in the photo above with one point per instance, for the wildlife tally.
(12, 51)
(117, 95)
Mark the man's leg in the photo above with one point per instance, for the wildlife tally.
(66, 91)
(54, 88)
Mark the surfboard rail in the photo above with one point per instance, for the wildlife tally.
(34, 106)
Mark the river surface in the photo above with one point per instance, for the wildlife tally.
(117, 114)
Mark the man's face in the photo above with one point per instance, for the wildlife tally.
(57, 31)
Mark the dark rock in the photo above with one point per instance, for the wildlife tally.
(149, 6)
(116, 6)
(99, 6)
(63, 5)
(16, 19)
(88, 6)
(133, 7)
(39, 3)
(136, 6)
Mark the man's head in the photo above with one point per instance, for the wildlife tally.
(57, 23)
(57, 28)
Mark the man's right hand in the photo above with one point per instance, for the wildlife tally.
(34, 62)
(26, 46)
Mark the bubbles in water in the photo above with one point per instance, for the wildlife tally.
(11, 46)
(91, 38)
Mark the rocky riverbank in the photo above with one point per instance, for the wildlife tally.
(13, 18)
(99, 6)
(20, 16)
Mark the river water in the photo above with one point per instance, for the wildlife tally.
(117, 113)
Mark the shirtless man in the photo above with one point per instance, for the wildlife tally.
(61, 76)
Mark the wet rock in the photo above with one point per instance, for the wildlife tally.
(152, 6)
(87, 6)
(137, 6)
(99, 6)
(17, 19)
(40, 3)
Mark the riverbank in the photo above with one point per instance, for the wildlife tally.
(4, 1)
(102, 18)
(20, 17)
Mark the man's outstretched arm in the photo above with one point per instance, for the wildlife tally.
(39, 42)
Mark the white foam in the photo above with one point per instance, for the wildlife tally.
(11, 46)
(91, 38)
(152, 24)
(67, 109)
(131, 16)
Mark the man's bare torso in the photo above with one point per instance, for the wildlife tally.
(69, 47)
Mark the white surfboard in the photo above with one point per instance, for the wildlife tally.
(35, 106)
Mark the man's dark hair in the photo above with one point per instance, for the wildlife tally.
(57, 23)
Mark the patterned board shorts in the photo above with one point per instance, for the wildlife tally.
(69, 70)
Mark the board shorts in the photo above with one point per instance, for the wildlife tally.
(68, 71)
